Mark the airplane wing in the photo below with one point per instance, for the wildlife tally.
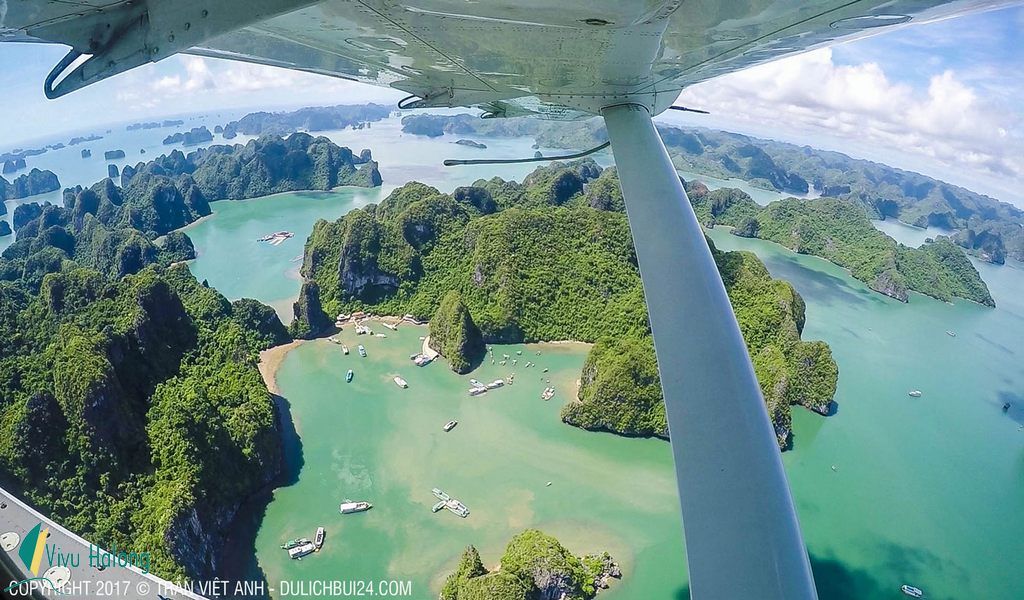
(552, 59)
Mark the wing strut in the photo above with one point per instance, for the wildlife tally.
(740, 527)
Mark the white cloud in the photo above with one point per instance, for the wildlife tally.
(950, 124)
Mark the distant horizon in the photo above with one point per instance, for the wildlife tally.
(664, 119)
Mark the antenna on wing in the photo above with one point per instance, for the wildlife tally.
(686, 109)
(451, 162)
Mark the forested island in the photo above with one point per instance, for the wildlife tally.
(313, 119)
(534, 565)
(136, 384)
(989, 229)
(33, 183)
(549, 259)
(192, 137)
(840, 230)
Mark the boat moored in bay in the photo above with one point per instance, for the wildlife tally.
(301, 550)
(914, 393)
(318, 541)
(362, 351)
(401, 382)
(348, 376)
(911, 591)
(450, 425)
(348, 507)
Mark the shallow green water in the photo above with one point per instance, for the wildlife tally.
(370, 440)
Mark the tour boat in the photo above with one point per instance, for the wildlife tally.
(548, 393)
(362, 351)
(301, 550)
(344, 349)
(349, 507)
(914, 393)
(293, 543)
(401, 382)
(438, 506)
(450, 425)
(950, 333)
(318, 541)
(440, 495)
(348, 376)
(911, 591)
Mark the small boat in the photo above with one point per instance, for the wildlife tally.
(437, 506)
(497, 383)
(301, 550)
(422, 360)
(1006, 407)
(911, 591)
(477, 390)
(450, 425)
(390, 326)
(401, 382)
(414, 355)
(950, 333)
(344, 349)
(380, 335)
(362, 351)
(348, 507)
(293, 543)
(318, 541)
(474, 383)
(835, 468)
(440, 495)
(348, 376)
(457, 508)
(548, 393)
(914, 393)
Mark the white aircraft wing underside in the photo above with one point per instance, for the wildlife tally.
(555, 59)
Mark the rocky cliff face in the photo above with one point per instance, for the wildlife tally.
(29, 184)
(455, 336)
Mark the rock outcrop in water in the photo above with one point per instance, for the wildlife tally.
(13, 165)
(313, 119)
(113, 154)
(535, 566)
(839, 230)
(455, 336)
(33, 183)
(196, 135)
(5, 229)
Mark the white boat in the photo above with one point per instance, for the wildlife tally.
(911, 591)
(348, 507)
(423, 360)
(450, 425)
(344, 349)
(950, 333)
(914, 393)
(548, 393)
(414, 356)
(474, 383)
(440, 495)
(401, 382)
(390, 326)
(333, 340)
(301, 550)
(380, 335)
(362, 351)
(497, 383)
(437, 506)
(457, 508)
(318, 541)
(476, 391)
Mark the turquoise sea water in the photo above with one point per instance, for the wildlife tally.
(926, 490)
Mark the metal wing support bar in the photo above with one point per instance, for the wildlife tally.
(740, 526)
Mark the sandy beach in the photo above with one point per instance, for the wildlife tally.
(270, 361)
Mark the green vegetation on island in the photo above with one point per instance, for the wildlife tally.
(534, 565)
(986, 227)
(454, 334)
(315, 118)
(131, 407)
(537, 261)
(839, 230)
(28, 184)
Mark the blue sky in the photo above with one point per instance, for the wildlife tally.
(941, 98)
